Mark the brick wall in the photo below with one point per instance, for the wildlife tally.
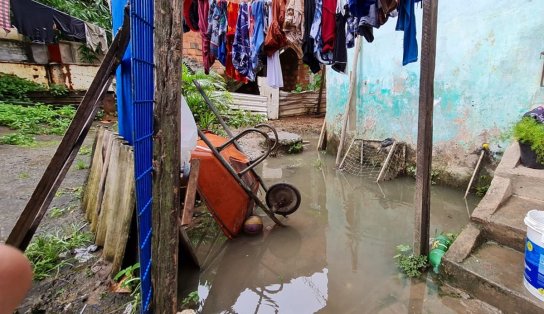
(192, 48)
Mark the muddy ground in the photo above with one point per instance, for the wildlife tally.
(81, 287)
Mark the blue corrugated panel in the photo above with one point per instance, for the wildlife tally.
(141, 23)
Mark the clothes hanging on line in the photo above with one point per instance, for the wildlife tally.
(241, 49)
(406, 22)
(190, 14)
(96, 37)
(244, 36)
(5, 21)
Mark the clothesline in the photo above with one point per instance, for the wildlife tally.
(38, 22)
(246, 35)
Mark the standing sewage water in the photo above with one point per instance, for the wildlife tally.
(336, 255)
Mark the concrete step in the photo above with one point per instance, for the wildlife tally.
(505, 225)
(526, 182)
(492, 273)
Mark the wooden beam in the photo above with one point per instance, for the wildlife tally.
(67, 150)
(352, 86)
(190, 194)
(166, 154)
(425, 129)
(321, 88)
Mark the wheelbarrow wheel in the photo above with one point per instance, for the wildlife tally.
(283, 199)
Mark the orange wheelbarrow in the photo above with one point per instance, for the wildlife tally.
(228, 182)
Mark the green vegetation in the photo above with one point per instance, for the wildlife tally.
(58, 90)
(13, 87)
(295, 148)
(44, 252)
(93, 11)
(314, 85)
(408, 263)
(24, 175)
(191, 300)
(318, 164)
(80, 165)
(216, 89)
(87, 54)
(531, 132)
(56, 212)
(411, 172)
(28, 121)
(85, 150)
(483, 185)
(128, 279)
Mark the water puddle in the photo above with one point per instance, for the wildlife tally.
(335, 256)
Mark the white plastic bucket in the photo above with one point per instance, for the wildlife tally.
(534, 254)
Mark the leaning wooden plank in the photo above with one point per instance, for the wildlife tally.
(89, 194)
(387, 162)
(40, 200)
(126, 209)
(106, 153)
(111, 194)
(190, 194)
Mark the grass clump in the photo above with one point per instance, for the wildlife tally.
(531, 132)
(409, 264)
(32, 120)
(45, 251)
(191, 300)
(81, 165)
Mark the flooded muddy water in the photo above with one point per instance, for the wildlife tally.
(336, 255)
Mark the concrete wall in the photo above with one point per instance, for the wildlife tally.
(488, 71)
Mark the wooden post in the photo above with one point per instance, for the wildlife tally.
(425, 129)
(166, 154)
(352, 86)
(321, 88)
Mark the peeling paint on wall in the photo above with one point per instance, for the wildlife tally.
(488, 70)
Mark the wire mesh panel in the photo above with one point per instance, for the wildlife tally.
(368, 158)
(141, 30)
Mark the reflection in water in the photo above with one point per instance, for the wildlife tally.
(335, 256)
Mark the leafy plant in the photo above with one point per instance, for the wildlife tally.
(56, 212)
(44, 252)
(409, 264)
(58, 90)
(38, 119)
(214, 87)
(87, 55)
(295, 148)
(298, 88)
(17, 138)
(128, 278)
(531, 132)
(190, 300)
(315, 82)
(13, 87)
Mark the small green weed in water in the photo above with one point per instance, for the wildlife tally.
(318, 164)
(44, 252)
(24, 175)
(483, 185)
(408, 263)
(295, 148)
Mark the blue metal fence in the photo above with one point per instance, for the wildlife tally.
(142, 91)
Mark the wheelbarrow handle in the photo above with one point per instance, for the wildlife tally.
(258, 160)
(264, 125)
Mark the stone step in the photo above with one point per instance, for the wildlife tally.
(526, 182)
(492, 273)
(505, 225)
